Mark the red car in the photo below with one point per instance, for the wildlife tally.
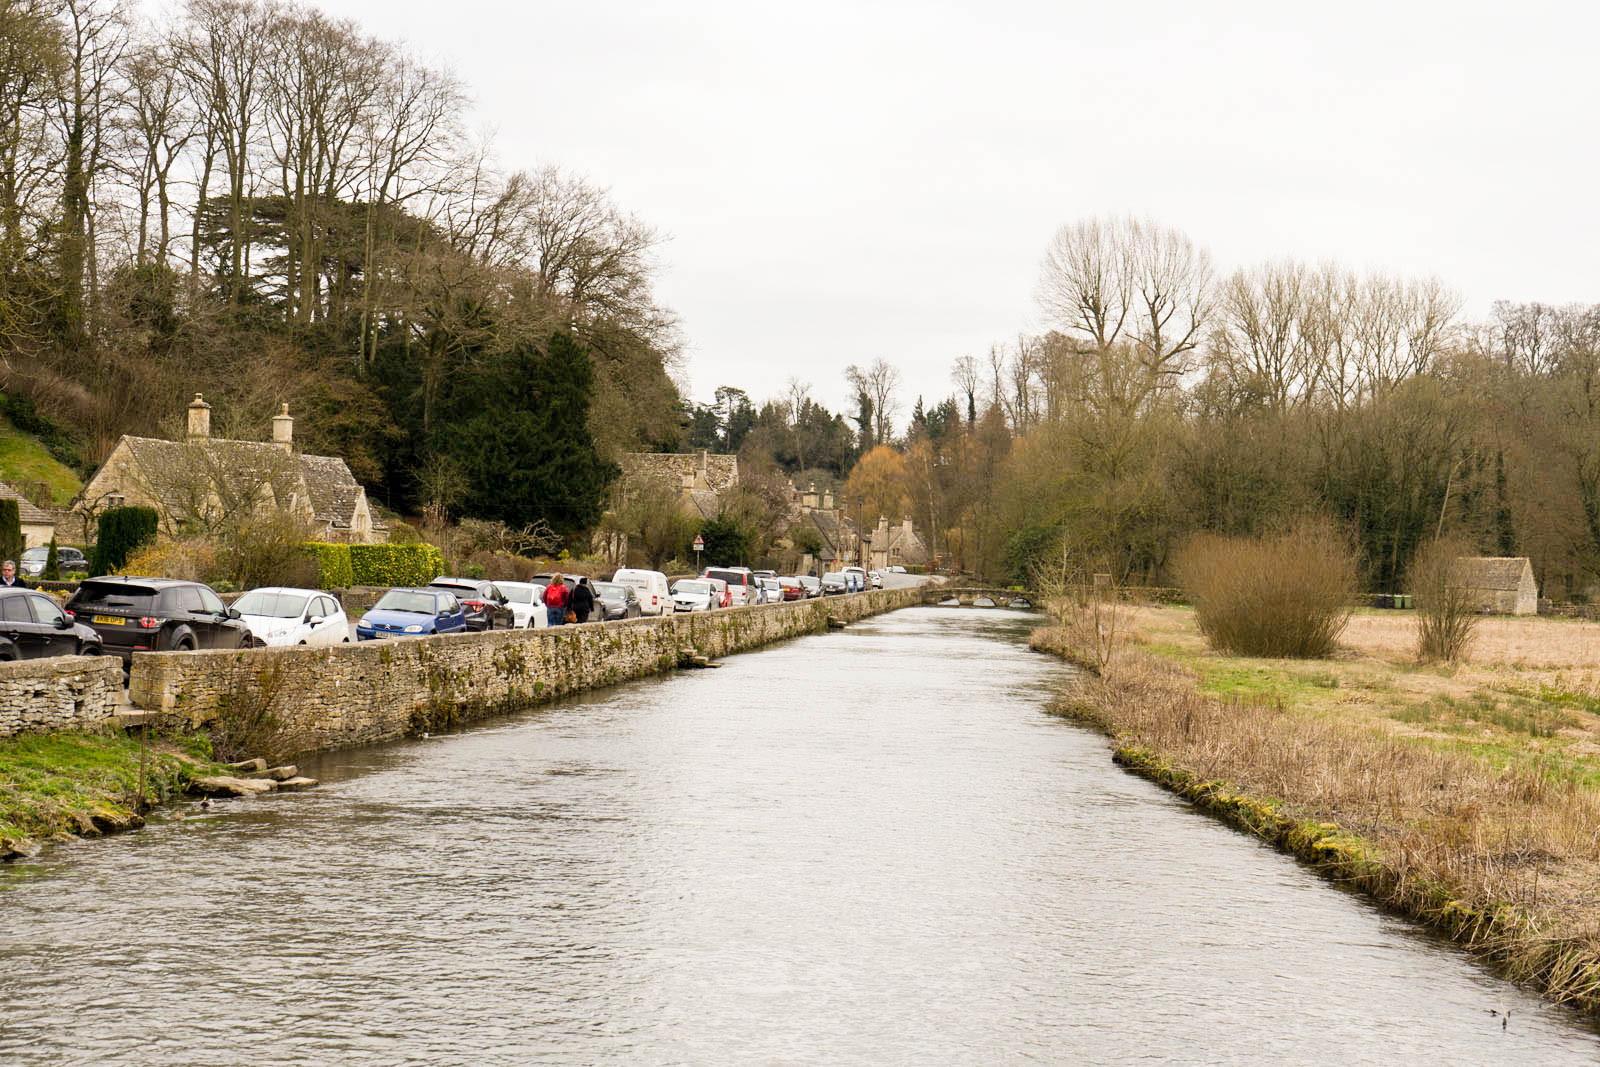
(724, 596)
(792, 589)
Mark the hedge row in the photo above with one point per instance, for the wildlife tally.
(333, 564)
(413, 564)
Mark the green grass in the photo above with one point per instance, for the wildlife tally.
(1515, 715)
(77, 783)
(24, 461)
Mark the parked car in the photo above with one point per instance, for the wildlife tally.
(723, 593)
(741, 584)
(156, 615)
(858, 579)
(33, 626)
(413, 613)
(69, 560)
(693, 594)
(897, 569)
(485, 607)
(875, 578)
(793, 588)
(771, 591)
(834, 583)
(650, 587)
(280, 616)
(613, 600)
(811, 584)
(526, 601)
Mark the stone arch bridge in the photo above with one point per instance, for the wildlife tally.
(977, 596)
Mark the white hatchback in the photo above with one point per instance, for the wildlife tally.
(526, 601)
(279, 616)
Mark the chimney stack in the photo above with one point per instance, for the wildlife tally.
(827, 500)
(808, 499)
(283, 430)
(199, 419)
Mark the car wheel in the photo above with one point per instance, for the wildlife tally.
(184, 645)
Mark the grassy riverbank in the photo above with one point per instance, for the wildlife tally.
(1468, 797)
(80, 784)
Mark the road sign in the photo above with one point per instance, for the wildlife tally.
(699, 543)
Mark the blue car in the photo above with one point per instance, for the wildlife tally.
(412, 613)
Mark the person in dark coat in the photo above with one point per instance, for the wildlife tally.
(582, 602)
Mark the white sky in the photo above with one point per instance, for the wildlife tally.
(847, 181)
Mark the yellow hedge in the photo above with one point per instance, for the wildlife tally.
(388, 565)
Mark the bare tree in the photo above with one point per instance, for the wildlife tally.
(878, 383)
(1087, 279)
(967, 378)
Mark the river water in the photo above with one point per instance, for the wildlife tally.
(869, 847)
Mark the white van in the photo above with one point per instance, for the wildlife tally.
(650, 587)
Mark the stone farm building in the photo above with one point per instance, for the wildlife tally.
(37, 527)
(203, 482)
(1504, 584)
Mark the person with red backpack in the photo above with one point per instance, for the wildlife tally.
(556, 595)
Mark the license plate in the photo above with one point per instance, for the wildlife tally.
(111, 620)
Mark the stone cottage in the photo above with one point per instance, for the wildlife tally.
(37, 526)
(895, 546)
(202, 483)
(1504, 584)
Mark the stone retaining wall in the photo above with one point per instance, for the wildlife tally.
(377, 690)
(63, 693)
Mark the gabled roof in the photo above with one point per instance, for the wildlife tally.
(26, 510)
(1502, 573)
(169, 471)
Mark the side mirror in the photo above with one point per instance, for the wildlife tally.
(233, 613)
(314, 620)
(63, 623)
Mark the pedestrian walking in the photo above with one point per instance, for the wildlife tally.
(556, 595)
(582, 602)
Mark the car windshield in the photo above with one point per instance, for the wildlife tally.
(611, 590)
(406, 600)
(692, 588)
(270, 604)
(456, 587)
(514, 595)
(34, 554)
(833, 576)
(114, 595)
(731, 577)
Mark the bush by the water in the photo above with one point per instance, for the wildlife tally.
(1447, 601)
(122, 532)
(1278, 595)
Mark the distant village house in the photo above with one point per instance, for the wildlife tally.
(203, 483)
(37, 526)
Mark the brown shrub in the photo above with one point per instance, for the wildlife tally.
(1278, 595)
(1447, 604)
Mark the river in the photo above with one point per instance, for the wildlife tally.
(868, 847)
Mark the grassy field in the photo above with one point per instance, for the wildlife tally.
(1467, 796)
(24, 461)
(75, 784)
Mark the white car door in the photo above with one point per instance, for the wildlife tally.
(333, 629)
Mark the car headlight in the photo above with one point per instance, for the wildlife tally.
(414, 628)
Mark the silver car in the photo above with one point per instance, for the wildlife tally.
(693, 594)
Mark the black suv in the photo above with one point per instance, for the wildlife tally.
(156, 615)
(485, 607)
(33, 626)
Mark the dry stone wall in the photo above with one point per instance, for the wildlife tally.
(63, 693)
(377, 690)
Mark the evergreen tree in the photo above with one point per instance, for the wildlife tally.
(122, 532)
(11, 543)
(52, 562)
(527, 452)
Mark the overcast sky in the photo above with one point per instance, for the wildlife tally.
(841, 182)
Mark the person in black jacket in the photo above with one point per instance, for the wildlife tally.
(582, 599)
(9, 578)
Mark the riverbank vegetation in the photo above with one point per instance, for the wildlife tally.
(81, 784)
(1465, 794)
